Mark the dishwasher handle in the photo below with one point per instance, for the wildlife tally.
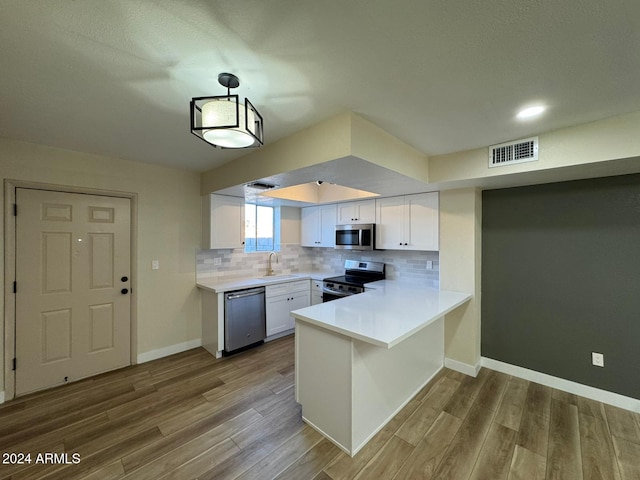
(248, 293)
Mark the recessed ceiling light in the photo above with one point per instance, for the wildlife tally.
(531, 112)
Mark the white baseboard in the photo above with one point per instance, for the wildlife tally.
(1, 397)
(593, 393)
(279, 335)
(471, 370)
(170, 350)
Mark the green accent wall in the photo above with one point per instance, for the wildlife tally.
(561, 279)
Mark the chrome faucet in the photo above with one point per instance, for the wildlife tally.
(269, 269)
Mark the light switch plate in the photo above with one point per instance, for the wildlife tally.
(155, 264)
(597, 359)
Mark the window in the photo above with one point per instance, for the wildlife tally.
(262, 228)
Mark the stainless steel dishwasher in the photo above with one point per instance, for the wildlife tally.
(244, 319)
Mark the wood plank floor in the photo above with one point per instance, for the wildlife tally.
(191, 416)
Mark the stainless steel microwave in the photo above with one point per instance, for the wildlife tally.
(356, 237)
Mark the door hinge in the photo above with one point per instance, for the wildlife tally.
(15, 287)
(15, 209)
(14, 363)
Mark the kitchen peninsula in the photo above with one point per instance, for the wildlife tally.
(360, 359)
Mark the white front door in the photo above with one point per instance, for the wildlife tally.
(73, 287)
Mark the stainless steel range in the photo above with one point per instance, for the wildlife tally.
(352, 282)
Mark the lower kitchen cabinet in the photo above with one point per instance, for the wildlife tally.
(212, 311)
(316, 292)
(280, 300)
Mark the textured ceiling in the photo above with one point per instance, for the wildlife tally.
(115, 77)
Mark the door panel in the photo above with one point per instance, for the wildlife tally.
(101, 327)
(56, 335)
(101, 260)
(56, 262)
(72, 320)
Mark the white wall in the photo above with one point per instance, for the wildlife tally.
(460, 258)
(290, 225)
(605, 147)
(168, 307)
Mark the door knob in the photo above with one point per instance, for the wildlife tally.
(124, 279)
(124, 291)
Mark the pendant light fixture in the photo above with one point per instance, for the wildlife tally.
(223, 121)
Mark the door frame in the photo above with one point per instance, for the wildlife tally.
(10, 186)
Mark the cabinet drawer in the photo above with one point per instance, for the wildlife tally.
(278, 289)
(288, 287)
(316, 285)
(299, 286)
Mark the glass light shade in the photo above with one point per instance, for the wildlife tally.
(531, 112)
(221, 112)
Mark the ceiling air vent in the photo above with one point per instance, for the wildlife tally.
(260, 186)
(519, 151)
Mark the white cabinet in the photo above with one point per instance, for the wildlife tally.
(363, 211)
(316, 292)
(212, 316)
(278, 314)
(222, 222)
(410, 222)
(390, 223)
(280, 300)
(318, 226)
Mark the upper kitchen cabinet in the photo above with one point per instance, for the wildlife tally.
(222, 222)
(363, 211)
(318, 226)
(410, 222)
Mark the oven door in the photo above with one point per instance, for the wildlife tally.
(329, 295)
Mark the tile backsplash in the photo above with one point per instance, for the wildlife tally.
(238, 264)
(293, 258)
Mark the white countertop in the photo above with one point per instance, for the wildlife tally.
(386, 316)
(221, 285)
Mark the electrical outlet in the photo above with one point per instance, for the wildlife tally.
(597, 359)
(217, 261)
(155, 264)
(429, 265)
